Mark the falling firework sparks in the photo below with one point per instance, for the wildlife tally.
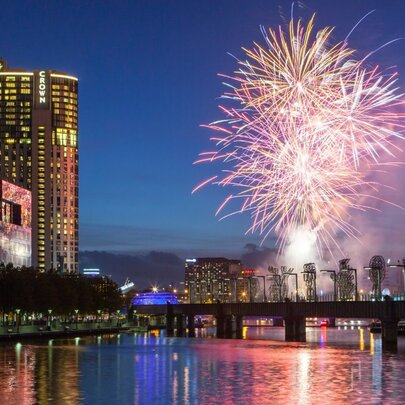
(310, 123)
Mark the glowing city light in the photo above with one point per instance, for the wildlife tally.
(306, 124)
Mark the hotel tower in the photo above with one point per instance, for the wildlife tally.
(39, 168)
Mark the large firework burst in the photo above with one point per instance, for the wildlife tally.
(307, 121)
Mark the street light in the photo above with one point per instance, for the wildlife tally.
(99, 312)
(17, 311)
(76, 312)
(49, 320)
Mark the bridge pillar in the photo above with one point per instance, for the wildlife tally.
(169, 325)
(190, 326)
(179, 325)
(295, 329)
(220, 321)
(228, 327)
(389, 326)
(389, 334)
(239, 326)
(169, 320)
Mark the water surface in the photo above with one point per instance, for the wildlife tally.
(334, 366)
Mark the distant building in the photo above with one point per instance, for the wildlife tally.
(246, 286)
(91, 272)
(155, 298)
(209, 279)
(127, 286)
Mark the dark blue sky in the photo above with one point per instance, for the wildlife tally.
(148, 79)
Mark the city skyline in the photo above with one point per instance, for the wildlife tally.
(202, 202)
(138, 146)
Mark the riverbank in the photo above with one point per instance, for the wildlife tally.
(29, 332)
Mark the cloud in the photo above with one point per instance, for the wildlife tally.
(183, 242)
(259, 258)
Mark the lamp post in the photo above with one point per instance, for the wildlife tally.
(76, 312)
(118, 317)
(49, 318)
(17, 311)
(99, 312)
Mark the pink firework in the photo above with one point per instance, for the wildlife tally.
(306, 123)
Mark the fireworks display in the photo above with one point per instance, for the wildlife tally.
(305, 125)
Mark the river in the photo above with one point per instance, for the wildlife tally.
(334, 366)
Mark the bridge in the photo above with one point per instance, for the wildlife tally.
(229, 316)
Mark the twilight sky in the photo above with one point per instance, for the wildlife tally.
(148, 79)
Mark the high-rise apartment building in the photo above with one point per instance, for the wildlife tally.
(39, 153)
(209, 279)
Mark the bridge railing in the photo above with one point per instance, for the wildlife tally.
(331, 298)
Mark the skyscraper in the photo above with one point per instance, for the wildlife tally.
(39, 153)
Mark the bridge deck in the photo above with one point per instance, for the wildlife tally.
(348, 309)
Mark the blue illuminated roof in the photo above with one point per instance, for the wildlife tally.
(155, 298)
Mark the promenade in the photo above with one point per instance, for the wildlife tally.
(71, 329)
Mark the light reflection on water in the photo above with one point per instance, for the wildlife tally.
(334, 366)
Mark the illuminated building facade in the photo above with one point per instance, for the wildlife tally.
(15, 224)
(39, 153)
(246, 286)
(155, 298)
(209, 279)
